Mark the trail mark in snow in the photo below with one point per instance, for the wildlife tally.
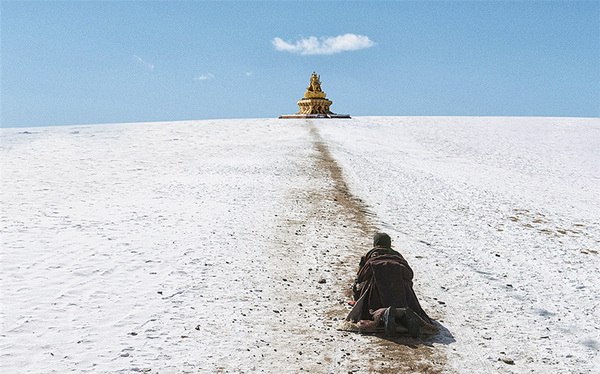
(352, 206)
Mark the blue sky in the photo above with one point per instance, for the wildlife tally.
(117, 61)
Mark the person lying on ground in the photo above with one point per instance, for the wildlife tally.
(383, 290)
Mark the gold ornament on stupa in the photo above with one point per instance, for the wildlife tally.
(315, 103)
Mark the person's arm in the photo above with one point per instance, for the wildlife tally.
(364, 274)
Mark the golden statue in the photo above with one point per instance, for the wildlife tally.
(315, 83)
(313, 91)
(315, 104)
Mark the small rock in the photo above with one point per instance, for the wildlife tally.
(322, 280)
(508, 361)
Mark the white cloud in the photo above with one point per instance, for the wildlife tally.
(324, 45)
(249, 73)
(148, 65)
(204, 77)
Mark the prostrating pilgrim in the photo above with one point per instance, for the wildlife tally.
(315, 104)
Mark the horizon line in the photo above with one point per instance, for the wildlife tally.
(238, 118)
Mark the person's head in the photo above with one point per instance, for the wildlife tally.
(382, 240)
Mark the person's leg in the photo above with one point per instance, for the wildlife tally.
(412, 323)
(389, 321)
(403, 316)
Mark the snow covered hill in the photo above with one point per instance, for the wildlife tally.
(229, 245)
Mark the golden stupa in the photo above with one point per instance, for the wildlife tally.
(315, 103)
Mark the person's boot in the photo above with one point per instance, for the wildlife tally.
(389, 321)
(412, 323)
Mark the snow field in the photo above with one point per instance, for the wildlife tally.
(220, 246)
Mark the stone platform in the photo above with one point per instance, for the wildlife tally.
(319, 116)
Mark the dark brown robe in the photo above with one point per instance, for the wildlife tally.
(386, 280)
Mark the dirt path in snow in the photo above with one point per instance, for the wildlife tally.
(337, 205)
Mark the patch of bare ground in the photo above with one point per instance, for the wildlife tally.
(338, 204)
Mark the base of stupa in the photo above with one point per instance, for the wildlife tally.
(314, 106)
(316, 116)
